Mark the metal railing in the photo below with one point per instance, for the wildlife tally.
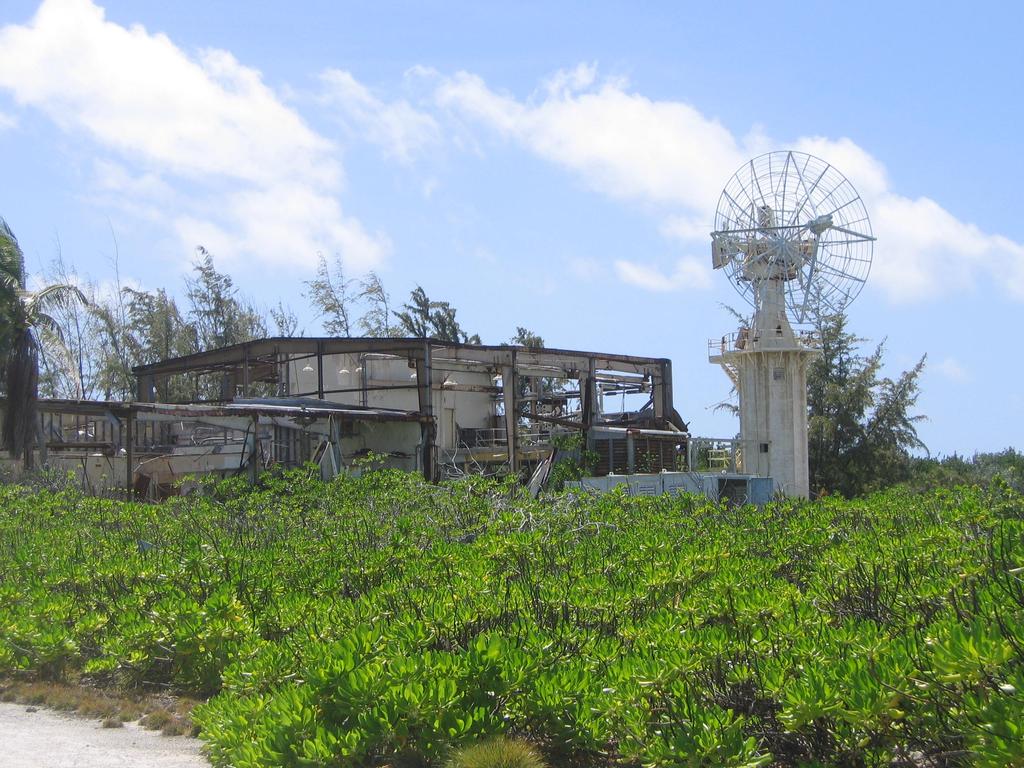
(709, 454)
(496, 437)
(748, 338)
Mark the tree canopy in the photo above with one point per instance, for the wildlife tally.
(70, 339)
(928, 473)
(423, 317)
(24, 312)
(87, 336)
(861, 425)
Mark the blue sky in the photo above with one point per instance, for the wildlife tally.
(548, 165)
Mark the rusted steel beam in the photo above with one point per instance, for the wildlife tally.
(148, 412)
(482, 388)
(83, 407)
(510, 392)
(492, 354)
(320, 370)
(425, 399)
(276, 346)
(553, 420)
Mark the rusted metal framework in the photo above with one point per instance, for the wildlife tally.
(477, 406)
(423, 405)
(148, 447)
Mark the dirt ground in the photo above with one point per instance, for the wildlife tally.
(40, 738)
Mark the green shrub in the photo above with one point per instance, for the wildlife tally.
(499, 752)
(381, 620)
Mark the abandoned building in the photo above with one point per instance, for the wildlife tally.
(440, 408)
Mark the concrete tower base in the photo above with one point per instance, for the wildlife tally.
(767, 364)
(772, 389)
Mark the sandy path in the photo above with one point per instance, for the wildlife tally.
(47, 739)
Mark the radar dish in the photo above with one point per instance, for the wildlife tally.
(790, 218)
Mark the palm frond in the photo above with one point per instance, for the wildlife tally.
(48, 323)
(54, 351)
(12, 260)
(57, 295)
(8, 280)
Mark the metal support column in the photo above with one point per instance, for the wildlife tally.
(663, 407)
(254, 464)
(129, 454)
(588, 389)
(320, 370)
(428, 427)
(510, 392)
(245, 371)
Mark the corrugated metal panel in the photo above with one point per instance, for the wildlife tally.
(650, 453)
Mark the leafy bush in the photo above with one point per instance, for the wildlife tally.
(383, 620)
(573, 461)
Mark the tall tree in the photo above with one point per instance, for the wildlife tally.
(414, 320)
(376, 321)
(219, 316)
(527, 338)
(423, 317)
(24, 312)
(97, 352)
(861, 428)
(157, 330)
(285, 321)
(66, 362)
(331, 293)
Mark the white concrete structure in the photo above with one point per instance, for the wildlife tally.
(767, 364)
(793, 236)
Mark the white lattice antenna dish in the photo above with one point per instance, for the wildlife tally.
(788, 222)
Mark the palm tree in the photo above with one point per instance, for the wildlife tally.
(22, 312)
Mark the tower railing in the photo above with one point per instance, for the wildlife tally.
(748, 338)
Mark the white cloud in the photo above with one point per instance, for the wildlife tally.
(7, 121)
(929, 252)
(623, 144)
(952, 369)
(923, 250)
(688, 273)
(566, 81)
(205, 122)
(687, 229)
(396, 126)
(670, 156)
(110, 176)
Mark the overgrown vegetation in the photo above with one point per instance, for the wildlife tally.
(573, 461)
(927, 474)
(382, 620)
(861, 429)
(24, 315)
